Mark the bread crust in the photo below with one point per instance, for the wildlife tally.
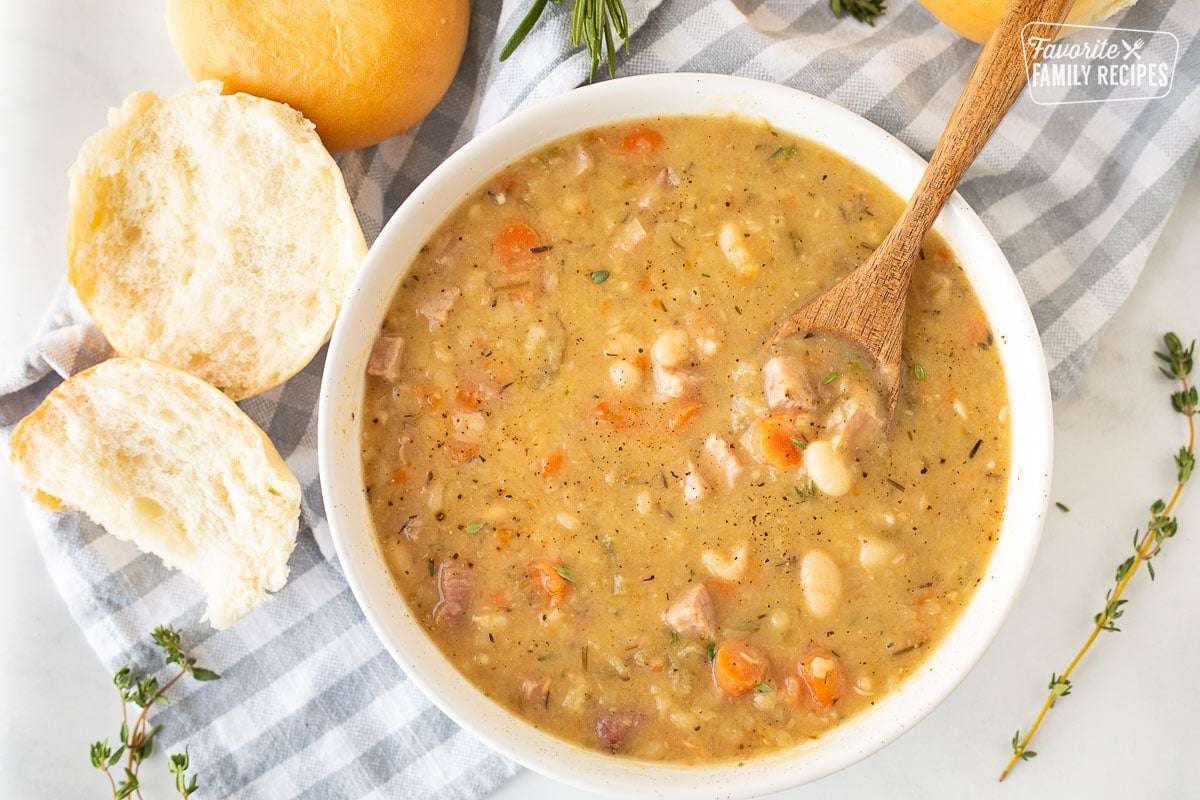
(362, 72)
(214, 233)
(162, 459)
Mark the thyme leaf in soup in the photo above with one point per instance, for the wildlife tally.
(919, 372)
(473, 527)
(828, 379)
(600, 276)
(565, 573)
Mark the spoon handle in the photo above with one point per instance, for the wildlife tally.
(994, 84)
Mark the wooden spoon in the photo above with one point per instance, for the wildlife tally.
(867, 306)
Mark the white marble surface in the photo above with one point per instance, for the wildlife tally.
(1128, 730)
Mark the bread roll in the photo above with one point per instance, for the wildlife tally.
(361, 71)
(976, 19)
(162, 459)
(213, 233)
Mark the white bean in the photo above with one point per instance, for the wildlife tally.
(820, 583)
(731, 239)
(694, 487)
(730, 569)
(670, 348)
(470, 428)
(626, 377)
(827, 468)
(876, 554)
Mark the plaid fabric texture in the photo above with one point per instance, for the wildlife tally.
(310, 704)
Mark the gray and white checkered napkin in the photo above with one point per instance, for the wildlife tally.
(311, 705)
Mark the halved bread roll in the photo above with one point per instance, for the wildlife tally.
(213, 233)
(162, 459)
(360, 71)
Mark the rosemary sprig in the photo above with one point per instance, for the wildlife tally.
(137, 741)
(862, 10)
(593, 23)
(1176, 365)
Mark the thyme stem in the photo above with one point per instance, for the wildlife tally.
(1161, 526)
(137, 742)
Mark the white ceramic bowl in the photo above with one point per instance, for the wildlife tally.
(386, 264)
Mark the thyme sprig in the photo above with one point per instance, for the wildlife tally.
(595, 25)
(862, 10)
(1176, 364)
(137, 740)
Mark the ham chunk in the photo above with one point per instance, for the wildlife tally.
(675, 383)
(613, 729)
(692, 614)
(853, 424)
(533, 692)
(787, 384)
(384, 361)
(436, 309)
(722, 459)
(456, 585)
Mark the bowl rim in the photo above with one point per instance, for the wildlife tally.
(626, 99)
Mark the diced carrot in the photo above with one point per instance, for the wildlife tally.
(551, 464)
(641, 361)
(505, 183)
(621, 416)
(681, 414)
(641, 141)
(503, 537)
(644, 282)
(723, 587)
(514, 244)
(468, 397)
(978, 330)
(461, 451)
(773, 442)
(548, 582)
(399, 475)
(427, 395)
(821, 672)
(499, 599)
(738, 667)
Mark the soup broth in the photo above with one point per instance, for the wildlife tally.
(611, 512)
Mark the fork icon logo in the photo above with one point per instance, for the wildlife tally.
(1133, 50)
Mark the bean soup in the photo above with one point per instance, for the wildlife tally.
(618, 517)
